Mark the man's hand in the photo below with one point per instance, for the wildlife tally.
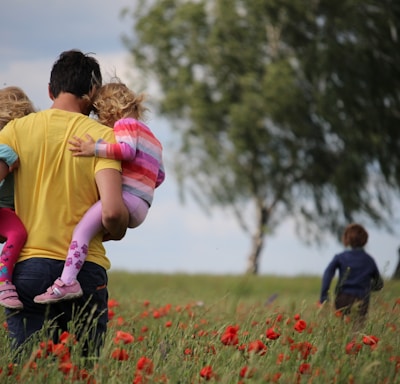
(115, 216)
(109, 237)
(81, 147)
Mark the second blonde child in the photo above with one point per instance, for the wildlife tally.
(14, 103)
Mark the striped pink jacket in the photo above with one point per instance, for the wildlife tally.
(141, 157)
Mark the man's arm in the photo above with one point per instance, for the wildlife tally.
(115, 215)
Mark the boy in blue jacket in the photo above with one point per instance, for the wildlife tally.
(358, 273)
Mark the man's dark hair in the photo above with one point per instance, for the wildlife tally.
(75, 72)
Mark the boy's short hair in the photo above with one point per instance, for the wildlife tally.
(355, 236)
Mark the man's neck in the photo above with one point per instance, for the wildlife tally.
(71, 103)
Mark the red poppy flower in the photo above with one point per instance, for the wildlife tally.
(145, 365)
(66, 337)
(300, 325)
(305, 368)
(276, 376)
(271, 334)
(10, 369)
(62, 351)
(111, 314)
(125, 337)
(353, 348)
(370, 340)
(120, 321)
(138, 379)
(230, 336)
(305, 349)
(246, 372)
(156, 314)
(281, 358)
(257, 346)
(206, 372)
(119, 354)
(66, 368)
(243, 371)
(112, 303)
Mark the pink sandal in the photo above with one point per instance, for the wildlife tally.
(9, 296)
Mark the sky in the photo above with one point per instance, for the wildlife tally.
(176, 237)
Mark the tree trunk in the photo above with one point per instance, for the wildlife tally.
(254, 258)
(396, 274)
(257, 244)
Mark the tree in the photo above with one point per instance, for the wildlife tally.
(396, 273)
(289, 108)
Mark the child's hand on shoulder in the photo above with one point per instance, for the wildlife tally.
(80, 147)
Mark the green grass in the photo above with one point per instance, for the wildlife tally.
(177, 322)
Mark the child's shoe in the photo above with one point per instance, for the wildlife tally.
(9, 296)
(59, 291)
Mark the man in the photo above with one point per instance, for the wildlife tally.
(53, 190)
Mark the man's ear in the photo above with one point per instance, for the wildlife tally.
(50, 93)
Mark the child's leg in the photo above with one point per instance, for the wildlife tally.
(89, 226)
(12, 228)
(344, 302)
(84, 232)
(137, 209)
(67, 287)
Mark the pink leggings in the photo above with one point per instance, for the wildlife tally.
(90, 225)
(11, 228)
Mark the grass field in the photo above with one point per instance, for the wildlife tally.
(225, 329)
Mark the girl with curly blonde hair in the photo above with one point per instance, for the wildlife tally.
(140, 153)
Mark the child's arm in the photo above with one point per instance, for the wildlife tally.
(327, 277)
(377, 283)
(8, 161)
(117, 151)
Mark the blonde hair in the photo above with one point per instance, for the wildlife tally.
(355, 236)
(14, 103)
(114, 101)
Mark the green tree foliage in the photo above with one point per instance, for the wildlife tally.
(284, 108)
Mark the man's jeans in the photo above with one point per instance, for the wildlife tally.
(88, 313)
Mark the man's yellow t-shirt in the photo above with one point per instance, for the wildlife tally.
(53, 189)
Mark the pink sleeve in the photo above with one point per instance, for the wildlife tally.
(117, 151)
